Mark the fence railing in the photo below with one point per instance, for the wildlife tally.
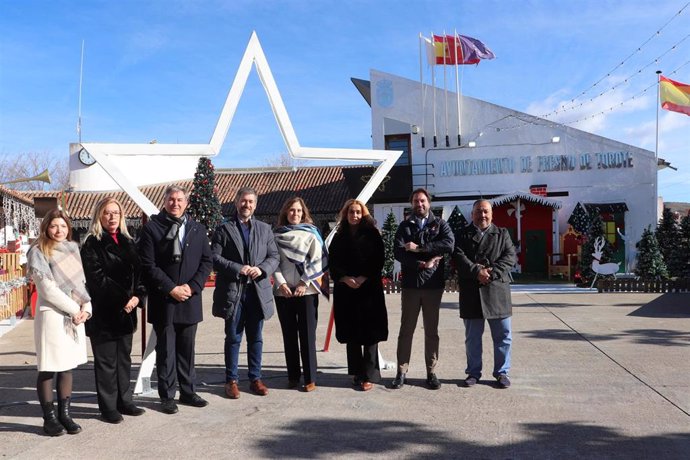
(640, 285)
(13, 290)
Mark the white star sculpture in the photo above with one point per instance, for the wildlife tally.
(106, 154)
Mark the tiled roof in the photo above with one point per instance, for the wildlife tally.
(322, 187)
(16, 195)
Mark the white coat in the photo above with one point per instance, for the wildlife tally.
(56, 350)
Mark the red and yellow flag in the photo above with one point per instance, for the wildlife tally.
(675, 96)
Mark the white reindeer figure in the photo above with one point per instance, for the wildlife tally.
(599, 268)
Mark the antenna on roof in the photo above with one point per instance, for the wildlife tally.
(81, 74)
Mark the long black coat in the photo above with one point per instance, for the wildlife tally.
(490, 301)
(113, 276)
(161, 274)
(360, 314)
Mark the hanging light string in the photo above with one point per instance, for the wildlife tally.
(574, 105)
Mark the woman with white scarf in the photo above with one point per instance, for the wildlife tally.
(64, 305)
(300, 278)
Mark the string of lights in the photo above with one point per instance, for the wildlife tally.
(574, 105)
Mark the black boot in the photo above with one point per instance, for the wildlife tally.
(65, 418)
(51, 425)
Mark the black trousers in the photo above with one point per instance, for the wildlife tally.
(298, 317)
(112, 363)
(363, 362)
(175, 359)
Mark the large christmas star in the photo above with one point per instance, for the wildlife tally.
(107, 154)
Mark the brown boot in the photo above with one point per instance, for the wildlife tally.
(232, 391)
(258, 387)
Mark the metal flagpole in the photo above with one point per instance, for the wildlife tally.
(656, 147)
(421, 84)
(81, 75)
(433, 83)
(457, 87)
(446, 55)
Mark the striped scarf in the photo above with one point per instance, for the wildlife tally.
(302, 245)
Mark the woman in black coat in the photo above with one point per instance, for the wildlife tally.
(361, 320)
(113, 272)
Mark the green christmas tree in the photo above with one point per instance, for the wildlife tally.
(684, 248)
(388, 230)
(203, 202)
(668, 237)
(650, 262)
(456, 222)
(595, 230)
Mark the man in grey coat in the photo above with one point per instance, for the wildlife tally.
(485, 255)
(244, 257)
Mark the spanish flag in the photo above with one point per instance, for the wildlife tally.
(675, 96)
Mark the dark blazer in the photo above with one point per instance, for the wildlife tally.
(113, 276)
(360, 314)
(161, 274)
(491, 301)
(435, 239)
(229, 257)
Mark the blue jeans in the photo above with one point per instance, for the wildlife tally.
(502, 336)
(249, 317)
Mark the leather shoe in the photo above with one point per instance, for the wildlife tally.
(193, 400)
(432, 381)
(309, 387)
(366, 386)
(168, 406)
(399, 381)
(232, 391)
(131, 409)
(112, 416)
(292, 384)
(258, 387)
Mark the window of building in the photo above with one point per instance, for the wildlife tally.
(399, 142)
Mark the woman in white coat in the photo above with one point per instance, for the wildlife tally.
(64, 305)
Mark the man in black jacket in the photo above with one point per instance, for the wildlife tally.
(176, 261)
(420, 243)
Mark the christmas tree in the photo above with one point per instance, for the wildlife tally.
(203, 202)
(684, 248)
(668, 236)
(456, 222)
(579, 219)
(595, 230)
(388, 234)
(650, 262)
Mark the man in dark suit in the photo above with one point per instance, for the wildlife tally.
(176, 261)
(244, 257)
(485, 255)
(421, 241)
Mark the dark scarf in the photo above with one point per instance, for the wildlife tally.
(173, 234)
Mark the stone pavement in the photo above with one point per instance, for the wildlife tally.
(594, 376)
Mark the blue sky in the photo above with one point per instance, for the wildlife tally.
(162, 69)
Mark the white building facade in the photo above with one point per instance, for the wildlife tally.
(534, 170)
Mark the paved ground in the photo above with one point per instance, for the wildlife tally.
(594, 376)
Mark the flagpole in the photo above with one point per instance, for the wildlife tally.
(445, 84)
(656, 147)
(421, 84)
(457, 87)
(81, 75)
(433, 82)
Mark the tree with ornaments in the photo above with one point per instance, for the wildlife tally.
(456, 222)
(580, 219)
(650, 262)
(204, 206)
(390, 226)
